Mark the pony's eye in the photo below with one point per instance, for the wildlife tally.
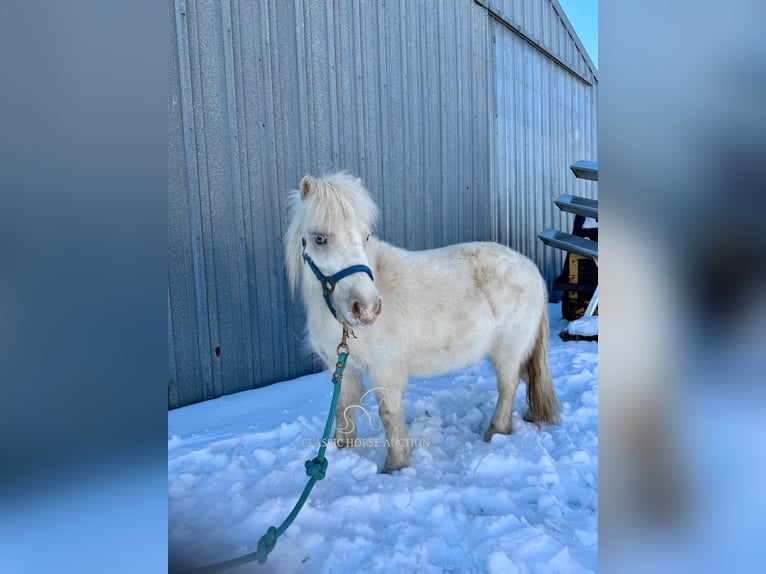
(320, 239)
(368, 237)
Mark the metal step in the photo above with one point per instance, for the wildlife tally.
(569, 242)
(578, 205)
(585, 169)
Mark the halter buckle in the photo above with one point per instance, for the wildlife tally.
(343, 345)
(328, 286)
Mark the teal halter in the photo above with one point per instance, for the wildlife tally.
(329, 281)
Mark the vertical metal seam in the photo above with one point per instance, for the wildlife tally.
(190, 153)
(239, 228)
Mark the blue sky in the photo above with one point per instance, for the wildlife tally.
(583, 14)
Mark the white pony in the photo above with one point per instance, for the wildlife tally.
(425, 312)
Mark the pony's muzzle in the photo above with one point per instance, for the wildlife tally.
(365, 312)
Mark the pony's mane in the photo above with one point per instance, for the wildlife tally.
(334, 201)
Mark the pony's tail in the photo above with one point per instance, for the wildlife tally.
(543, 406)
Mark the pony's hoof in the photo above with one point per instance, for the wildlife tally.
(391, 466)
(530, 419)
(550, 418)
(492, 430)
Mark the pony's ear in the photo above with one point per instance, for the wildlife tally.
(306, 186)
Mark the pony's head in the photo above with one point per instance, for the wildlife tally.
(331, 219)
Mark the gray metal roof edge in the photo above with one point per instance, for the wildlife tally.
(560, 11)
(567, 24)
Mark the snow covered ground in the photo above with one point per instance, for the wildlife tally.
(526, 502)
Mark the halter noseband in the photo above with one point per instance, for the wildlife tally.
(329, 281)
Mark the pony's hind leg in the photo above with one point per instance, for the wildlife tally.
(388, 391)
(506, 366)
(348, 403)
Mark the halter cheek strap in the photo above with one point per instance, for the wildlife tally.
(329, 281)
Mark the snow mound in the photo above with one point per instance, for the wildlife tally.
(584, 326)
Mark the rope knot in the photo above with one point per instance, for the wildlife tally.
(316, 468)
(266, 544)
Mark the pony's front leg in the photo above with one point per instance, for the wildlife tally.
(345, 413)
(388, 390)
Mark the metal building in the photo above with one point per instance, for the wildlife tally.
(461, 117)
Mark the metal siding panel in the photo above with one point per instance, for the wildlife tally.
(446, 130)
(528, 15)
(294, 155)
(526, 171)
(236, 354)
(373, 175)
(346, 94)
(265, 220)
(281, 177)
(481, 120)
(186, 251)
(252, 124)
(330, 39)
(536, 190)
(453, 191)
(223, 216)
(432, 114)
(413, 207)
(321, 76)
(499, 170)
(383, 94)
(184, 372)
(541, 125)
(207, 101)
(537, 26)
(549, 26)
(360, 135)
(497, 84)
(301, 81)
(394, 120)
(462, 167)
(545, 191)
(173, 391)
(417, 233)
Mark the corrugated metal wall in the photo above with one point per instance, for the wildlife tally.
(413, 96)
(545, 120)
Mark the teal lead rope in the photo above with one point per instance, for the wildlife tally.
(315, 469)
